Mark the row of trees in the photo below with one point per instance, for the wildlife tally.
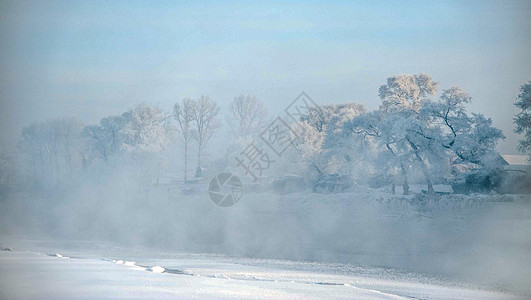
(411, 133)
(197, 120)
(143, 135)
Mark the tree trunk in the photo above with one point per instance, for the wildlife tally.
(428, 179)
(405, 186)
(84, 160)
(198, 171)
(185, 159)
(426, 174)
(320, 174)
(34, 172)
(424, 168)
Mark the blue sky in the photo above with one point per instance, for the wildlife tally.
(95, 58)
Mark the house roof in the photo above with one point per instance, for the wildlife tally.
(517, 160)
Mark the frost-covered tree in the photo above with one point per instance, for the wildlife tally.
(332, 116)
(411, 129)
(469, 137)
(479, 143)
(184, 114)
(145, 130)
(402, 97)
(387, 133)
(247, 115)
(322, 142)
(344, 149)
(407, 91)
(449, 115)
(206, 124)
(146, 135)
(522, 119)
(309, 145)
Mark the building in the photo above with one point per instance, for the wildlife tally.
(517, 163)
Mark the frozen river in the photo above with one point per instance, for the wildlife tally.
(40, 270)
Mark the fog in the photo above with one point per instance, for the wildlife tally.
(93, 60)
(481, 242)
(117, 118)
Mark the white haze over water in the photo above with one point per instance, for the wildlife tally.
(468, 240)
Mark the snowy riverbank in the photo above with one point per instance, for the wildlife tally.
(95, 273)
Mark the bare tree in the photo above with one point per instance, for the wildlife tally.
(50, 145)
(205, 114)
(184, 114)
(247, 114)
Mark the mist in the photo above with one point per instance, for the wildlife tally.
(375, 142)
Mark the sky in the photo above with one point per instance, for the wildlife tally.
(91, 59)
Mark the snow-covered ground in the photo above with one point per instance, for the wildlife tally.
(79, 273)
